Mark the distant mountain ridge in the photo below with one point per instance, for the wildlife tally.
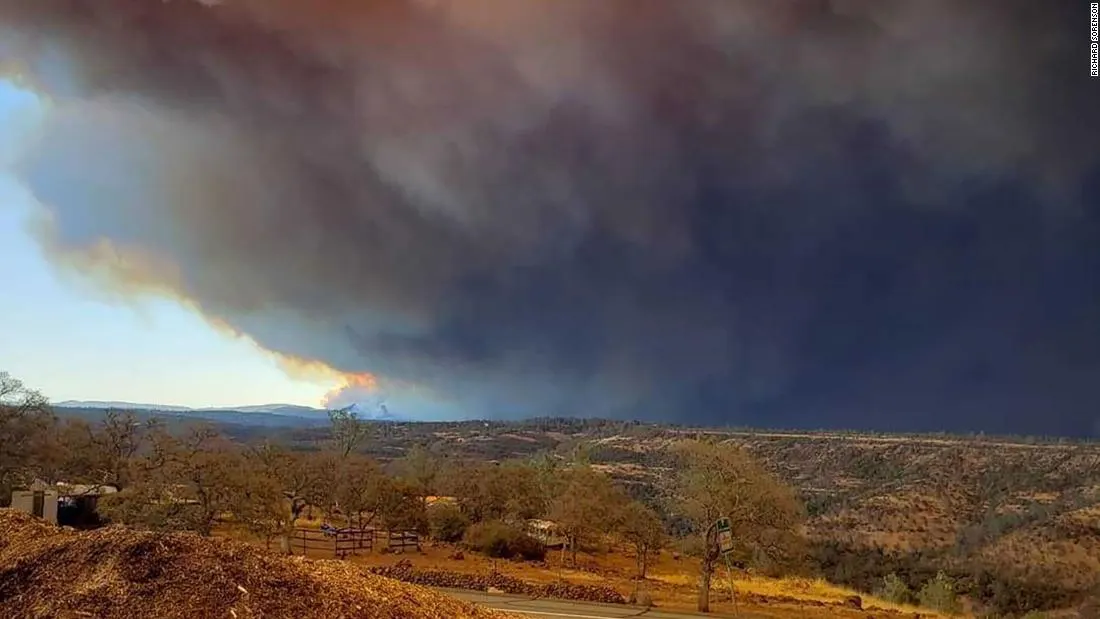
(257, 414)
(275, 409)
(121, 405)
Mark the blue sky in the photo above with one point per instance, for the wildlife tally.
(65, 338)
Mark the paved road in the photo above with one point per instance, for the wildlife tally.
(541, 608)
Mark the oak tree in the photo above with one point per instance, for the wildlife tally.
(588, 506)
(24, 418)
(643, 529)
(721, 480)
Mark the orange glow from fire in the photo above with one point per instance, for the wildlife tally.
(363, 383)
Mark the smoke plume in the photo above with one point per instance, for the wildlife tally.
(858, 213)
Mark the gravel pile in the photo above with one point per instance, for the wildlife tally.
(120, 573)
(406, 572)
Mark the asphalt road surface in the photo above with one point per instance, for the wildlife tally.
(542, 608)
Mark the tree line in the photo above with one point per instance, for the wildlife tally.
(195, 479)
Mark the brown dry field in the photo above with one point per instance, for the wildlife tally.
(1016, 521)
(671, 582)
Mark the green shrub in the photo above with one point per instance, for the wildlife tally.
(1034, 614)
(895, 590)
(447, 523)
(529, 548)
(502, 541)
(490, 538)
(939, 594)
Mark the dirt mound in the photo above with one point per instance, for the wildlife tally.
(405, 572)
(120, 573)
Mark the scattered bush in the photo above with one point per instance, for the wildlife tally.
(491, 538)
(528, 548)
(939, 594)
(895, 590)
(447, 523)
(1002, 591)
(502, 541)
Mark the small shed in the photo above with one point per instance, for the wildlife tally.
(61, 503)
(38, 502)
(78, 503)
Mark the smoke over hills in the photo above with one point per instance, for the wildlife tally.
(830, 213)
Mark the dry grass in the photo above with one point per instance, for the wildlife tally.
(670, 582)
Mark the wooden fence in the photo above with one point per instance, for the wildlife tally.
(345, 542)
(400, 541)
(340, 543)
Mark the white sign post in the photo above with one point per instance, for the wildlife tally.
(725, 536)
(725, 548)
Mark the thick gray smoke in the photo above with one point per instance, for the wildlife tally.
(789, 213)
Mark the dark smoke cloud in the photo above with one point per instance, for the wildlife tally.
(848, 213)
